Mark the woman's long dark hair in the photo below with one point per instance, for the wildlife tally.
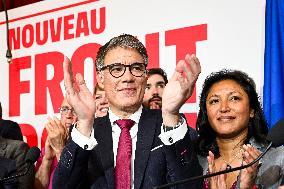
(257, 125)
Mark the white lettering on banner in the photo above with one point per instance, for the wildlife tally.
(59, 29)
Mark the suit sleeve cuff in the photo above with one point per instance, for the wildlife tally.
(83, 141)
(171, 137)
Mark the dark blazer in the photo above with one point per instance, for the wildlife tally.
(80, 168)
(192, 132)
(13, 154)
(10, 130)
(8, 166)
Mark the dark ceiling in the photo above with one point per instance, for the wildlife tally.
(11, 4)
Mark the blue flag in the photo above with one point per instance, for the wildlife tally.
(273, 92)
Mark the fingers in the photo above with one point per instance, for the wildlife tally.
(178, 72)
(194, 67)
(211, 169)
(249, 174)
(216, 182)
(253, 152)
(54, 127)
(49, 128)
(211, 164)
(57, 134)
(194, 63)
(190, 67)
(82, 87)
(53, 122)
(187, 72)
(47, 145)
(250, 153)
(80, 80)
(59, 125)
(68, 77)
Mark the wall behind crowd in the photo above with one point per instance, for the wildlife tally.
(223, 34)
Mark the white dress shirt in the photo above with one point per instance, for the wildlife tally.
(168, 138)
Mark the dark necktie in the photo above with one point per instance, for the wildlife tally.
(123, 157)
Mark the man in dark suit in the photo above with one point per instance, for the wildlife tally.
(12, 162)
(131, 147)
(10, 129)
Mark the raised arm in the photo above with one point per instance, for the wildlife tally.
(179, 88)
(80, 98)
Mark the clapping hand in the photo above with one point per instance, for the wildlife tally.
(80, 98)
(248, 175)
(57, 137)
(180, 87)
(219, 181)
(49, 153)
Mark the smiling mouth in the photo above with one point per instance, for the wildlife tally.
(67, 124)
(104, 109)
(128, 91)
(69, 120)
(226, 118)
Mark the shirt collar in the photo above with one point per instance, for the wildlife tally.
(135, 116)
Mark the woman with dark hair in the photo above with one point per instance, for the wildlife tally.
(232, 132)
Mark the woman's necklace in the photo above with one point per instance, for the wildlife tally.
(236, 155)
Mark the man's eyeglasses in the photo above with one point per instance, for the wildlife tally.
(117, 69)
(65, 109)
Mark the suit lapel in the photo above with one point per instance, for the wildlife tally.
(145, 137)
(103, 135)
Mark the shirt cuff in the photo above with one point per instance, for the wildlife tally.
(171, 137)
(83, 141)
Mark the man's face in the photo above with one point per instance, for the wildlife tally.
(101, 103)
(154, 92)
(125, 93)
(68, 116)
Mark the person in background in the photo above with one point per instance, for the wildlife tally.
(132, 147)
(12, 162)
(232, 132)
(156, 83)
(102, 105)
(57, 136)
(9, 129)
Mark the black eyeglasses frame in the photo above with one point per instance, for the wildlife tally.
(130, 66)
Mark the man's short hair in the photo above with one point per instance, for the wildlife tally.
(123, 41)
(158, 71)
